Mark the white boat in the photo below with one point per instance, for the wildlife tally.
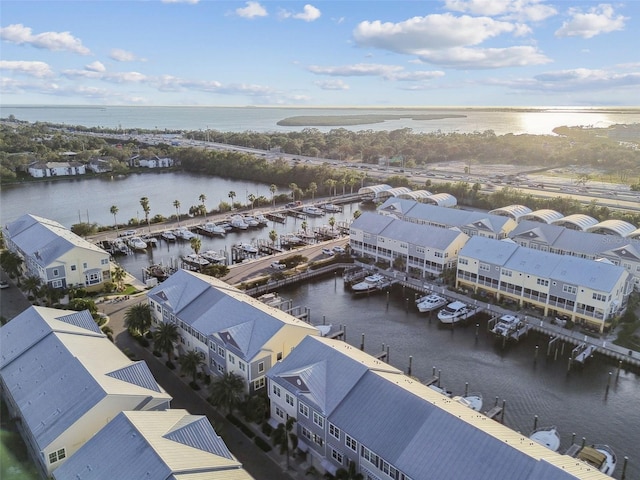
(248, 248)
(249, 220)
(213, 257)
(312, 211)
(324, 329)
(137, 243)
(152, 241)
(330, 207)
(506, 325)
(453, 313)
(168, 236)
(238, 222)
(184, 233)
(601, 457)
(443, 391)
(195, 260)
(430, 302)
(262, 220)
(120, 246)
(210, 228)
(547, 436)
(370, 283)
(473, 401)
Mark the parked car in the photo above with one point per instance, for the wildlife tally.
(339, 249)
(327, 251)
(278, 265)
(4, 284)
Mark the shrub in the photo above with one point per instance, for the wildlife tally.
(194, 385)
(170, 365)
(238, 423)
(263, 445)
(266, 429)
(156, 353)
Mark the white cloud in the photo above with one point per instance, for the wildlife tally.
(485, 58)
(33, 69)
(95, 67)
(112, 77)
(252, 10)
(332, 85)
(356, 70)
(521, 10)
(120, 55)
(308, 14)
(418, 76)
(192, 2)
(598, 20)
(55, 41)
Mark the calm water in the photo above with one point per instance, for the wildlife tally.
(574, 402)
(230, 119)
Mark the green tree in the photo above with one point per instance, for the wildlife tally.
(332, 222)
(137, 319)
(190, 362)
(227, 391)
(232, 195)
(252, 198)
(304, 225)
(196, 244)
(357, 214)
(176, 205)
(273, 189)
(284, 438)
(164, 337)
(80, 304)
(144, 203)
(114, 211)
(313, 188)
(294, 189)
(118, 275)
(32, 284)
(273, 236)
(217, 270)
(202, 199)
(11, 263)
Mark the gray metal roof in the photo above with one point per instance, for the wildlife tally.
(413, 233)
(579, 221)
(153, 445)
(613, 227)
(441, 200)
(513, 211)
(487, 250)
(545, 215)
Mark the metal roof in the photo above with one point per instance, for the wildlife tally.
(544, 215)
(393, 192)
(415, 194)
(374, 189)
(513, 211)
(577, 221)
(442, 200)
(613, 227)
(495, 252)
(153, 445)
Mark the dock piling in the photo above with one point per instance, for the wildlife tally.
(535, 422)
(410, 362)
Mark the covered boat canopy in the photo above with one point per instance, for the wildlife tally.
(613, 227)
(441, 200)
(514, 211)
(544, 215)
(577, 221)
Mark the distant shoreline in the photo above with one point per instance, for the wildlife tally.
(350, 120)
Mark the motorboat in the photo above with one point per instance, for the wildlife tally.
(119, 246)
(136, 243)
(442, 391)
(251, 221)
(547, 436)
(370, 283)
(238, 222)
(168, 236)
(195, 260)
(210, 229)
(430, 302)
(262, 220)
(213, 257)
(324, 329)
(152, 241)
(312, 211)
(506, 325)
(473, 401)
(184, 233)
(601, 457)
(453, 313)
(248, 248)
(330, 207)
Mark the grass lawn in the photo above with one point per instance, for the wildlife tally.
(15, 463)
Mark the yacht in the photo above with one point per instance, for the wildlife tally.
(210, 229)
(443, 391)
(184, 233)
(262, 220)
(248, 248)
(136, 243)
(238, 222)
(370, 284)
(312, 211)
(506, 325)
(601, 457)
(430, 302)
(213, 257)
(330, 207)
(251, 221)
(168, 236)
(548, 437)
(195, 260)
(152, 241)
(453, 313)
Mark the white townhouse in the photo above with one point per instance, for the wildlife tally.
(64, 380)
(56, 255)
(154, 445)
(623, 251)
(101, 164)
(156, 162)
(590, 292)
(470, 222)
(423, 250)
(233, 332)
(351, 407)
(56, 169)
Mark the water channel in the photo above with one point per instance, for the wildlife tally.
(576, 402)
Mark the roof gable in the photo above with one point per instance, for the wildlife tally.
(137, 373)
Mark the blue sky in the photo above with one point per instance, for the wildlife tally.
(322, 53)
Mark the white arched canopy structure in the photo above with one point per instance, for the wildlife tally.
(416, 195)
(613, 227)
(441, 200)
(577, 221)
(635, 235)
(514, 211)
(372, 191)
(544, 215)
(393, 192)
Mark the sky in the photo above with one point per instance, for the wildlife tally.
(324, 53)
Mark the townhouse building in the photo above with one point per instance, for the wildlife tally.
(233, 332)
(56, 255)
(591, 293)
(352, 408)
(56, 169)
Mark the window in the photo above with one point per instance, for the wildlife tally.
(463, 261)
(57, 455)
(336, 455)
(84, 265)
(507, 273)
(56, 272)
(288, 398)
(543, 282)
(303, 409)
(318, 420)
(258, 384)
(318, 440)
(56, 284)
(261, 367)
(306, 433)
(276, 390)
(73, 268)
(570, 289)
(599, 296)
(279, 356)
(334, 431)
(484, 267)
(242, 366)
(220, 351)
(350, 443)
(370, 456)
(220, 368)
(232, 359)
(279, 412)
(104, 261)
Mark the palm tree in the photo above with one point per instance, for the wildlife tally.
(164, 337)
(11, 263)
(196, 244)
(202, 198)
(332, 222)
(304, 226)
(357, 214)
(176, 204)
(137, 319)
(190, 362)
(232, 195)
(294, 189)
(114, 211)
(252, 198)
(313, 188)
(227, 391)
(144, 202)
(284, 437)
(118, 275)
(32, 284)
(273, 189)
(331, 183)
(273, 236)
